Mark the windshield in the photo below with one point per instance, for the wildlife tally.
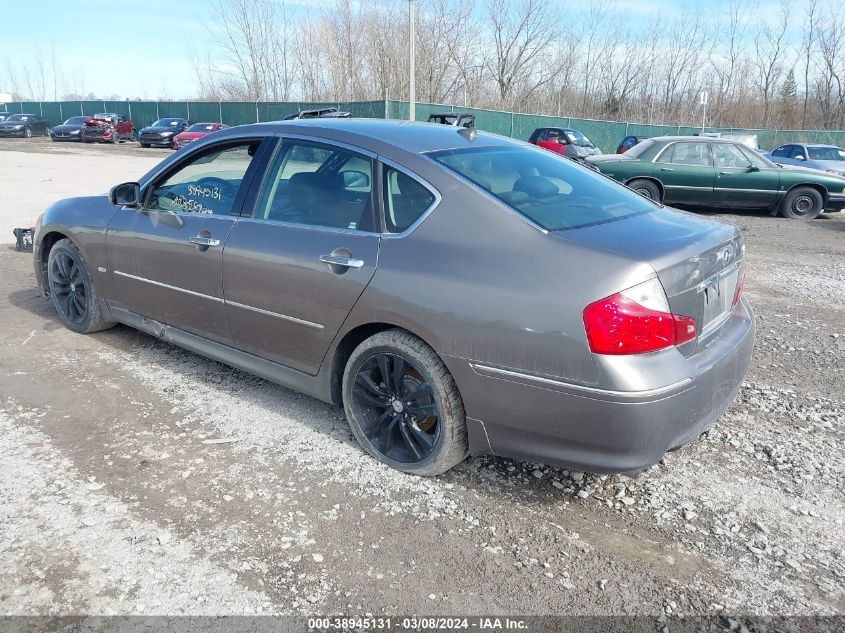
(549, 190)
(75, 120)
(105, 115)
(639, 148)
(19, 117)
(576, 138)
(201, 127)
(167, 123)
(826, 153)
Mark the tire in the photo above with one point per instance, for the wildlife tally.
(47, 131)
(133, 136)
(802, 203)
(27, 132)
(384, 425)
(72, 290)
(115, 137)
(646, 188)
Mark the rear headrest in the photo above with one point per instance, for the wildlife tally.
(304, 188)
(536, 186)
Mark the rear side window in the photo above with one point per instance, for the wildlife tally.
(693, 154)
(551, 191)
(405, 200)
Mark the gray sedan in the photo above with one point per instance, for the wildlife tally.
(457, 292)
(827, 158)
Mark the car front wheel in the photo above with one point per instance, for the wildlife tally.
(802, 203)
(27, 132)
(403, 404)
(646, 189)
(72, 289)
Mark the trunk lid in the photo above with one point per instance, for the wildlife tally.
(696, 260)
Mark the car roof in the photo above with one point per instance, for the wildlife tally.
(409, 136)
(814, 145)
(702, 139)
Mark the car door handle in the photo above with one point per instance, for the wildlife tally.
(340, 260)
(666, 169)
(200, 240)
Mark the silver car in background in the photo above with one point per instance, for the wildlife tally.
(829, 158)
(456, 292)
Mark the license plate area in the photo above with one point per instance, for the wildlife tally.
(717, 295)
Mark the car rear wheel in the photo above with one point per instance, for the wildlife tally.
(403, 404)
(802, 203)
(646, 189)
(134, 136)
(27, 132)
(72, 289)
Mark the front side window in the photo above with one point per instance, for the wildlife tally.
(208, 184)
(405, 200)
(798, 150)
(783, 150)
(728, 155)
(318, 185)
(551, 191)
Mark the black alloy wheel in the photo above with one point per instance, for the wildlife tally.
(397, 409)
(67, 285)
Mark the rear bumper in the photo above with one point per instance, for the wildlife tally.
(835, 202)
(605, 431)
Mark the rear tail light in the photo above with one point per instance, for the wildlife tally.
(636, 321)
(740, 286)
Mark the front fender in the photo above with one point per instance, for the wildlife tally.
(84, 221)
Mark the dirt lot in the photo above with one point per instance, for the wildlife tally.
(139, 478)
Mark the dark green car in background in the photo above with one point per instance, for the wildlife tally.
(713, 172)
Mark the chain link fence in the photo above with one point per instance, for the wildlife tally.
(605, 134)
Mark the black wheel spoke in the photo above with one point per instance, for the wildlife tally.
(66, 303)
(425, 440)
(79, 304)
(420, 392)
(409, 441)
(384, 366)
(365, 397)
(366, 381)
(387, 432)
(62, 262)
(398, 375)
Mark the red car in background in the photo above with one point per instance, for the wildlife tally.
(196, 131)
(108, 127)
(566, 141)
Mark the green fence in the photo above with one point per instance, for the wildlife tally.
(605, 134)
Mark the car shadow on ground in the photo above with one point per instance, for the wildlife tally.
(488, 475)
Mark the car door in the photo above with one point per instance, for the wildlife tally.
(687, 173)
(166, 257)
(553, 140)
(742, 178)
(293, 270)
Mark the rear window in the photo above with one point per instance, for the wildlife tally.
(551, 191)
(826, 153)
(639, 148)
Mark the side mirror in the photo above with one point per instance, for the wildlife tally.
(127, 194)
(800, 157)
(752, 168)
(355, 179)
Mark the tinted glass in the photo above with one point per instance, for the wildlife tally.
(783, 151)
(405, 200)
(201, 127)
(20, 117)
(551, 191)
(826, 153)
(695, 154)
(797, 150)
(318, 185)
(75, 120)
(208, 184)
(728, 155)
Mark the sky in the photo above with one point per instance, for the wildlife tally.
(142, 49)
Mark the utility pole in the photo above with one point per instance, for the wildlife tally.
(412, 96)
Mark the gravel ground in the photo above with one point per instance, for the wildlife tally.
(140, 478)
